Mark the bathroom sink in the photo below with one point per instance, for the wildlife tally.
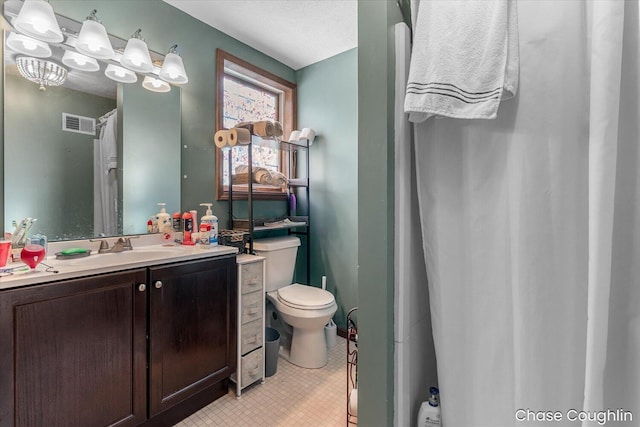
(125, 257)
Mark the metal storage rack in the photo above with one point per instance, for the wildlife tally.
(293, 149)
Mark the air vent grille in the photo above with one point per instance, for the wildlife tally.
(78, 124)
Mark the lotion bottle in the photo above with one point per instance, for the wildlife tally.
(429, 414)
(212, 220)
(162, 218)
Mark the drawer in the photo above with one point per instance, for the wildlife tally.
(251, 367)
(252, 307)
(251, 277)
(251, 336)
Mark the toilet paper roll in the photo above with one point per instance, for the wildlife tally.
(221, 138)
(239, 136)
(295, 136)
(264, 129)
(308, 134)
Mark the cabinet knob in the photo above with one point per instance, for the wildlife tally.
(158, 284)
(142, 287)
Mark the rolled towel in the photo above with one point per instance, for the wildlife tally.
(245, 125)
(221, 138)
(264, 129)
(277, 179)
(239, 136)
(260, 175)
(278, 129)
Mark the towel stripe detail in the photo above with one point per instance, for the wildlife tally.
(450, 90)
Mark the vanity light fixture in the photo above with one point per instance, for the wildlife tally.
(28, 46)
(120, 74)
(79, 61)
(155, 85)
(136, 54)
(172, 68)
(93, 39)
(36, 19)
(41, 71)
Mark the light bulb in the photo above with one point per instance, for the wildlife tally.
(29, 44)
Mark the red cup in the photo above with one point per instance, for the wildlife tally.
(5, 251)
(32, 255)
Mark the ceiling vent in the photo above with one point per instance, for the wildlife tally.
(78, 124)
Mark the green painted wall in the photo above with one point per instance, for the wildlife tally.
(328, 103)
(375, 205)
(162, 26)
(54, 168)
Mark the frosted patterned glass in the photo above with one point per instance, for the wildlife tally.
(242, 103)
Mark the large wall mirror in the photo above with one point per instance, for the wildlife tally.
(91, 157)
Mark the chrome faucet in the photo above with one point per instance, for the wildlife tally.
(120, 245)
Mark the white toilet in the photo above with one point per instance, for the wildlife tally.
(305, 309)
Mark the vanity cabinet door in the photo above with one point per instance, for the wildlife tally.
(191, 329)
(74, 353)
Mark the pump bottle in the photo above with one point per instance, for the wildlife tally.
(162, 218)
(429, 414)
(212, 220)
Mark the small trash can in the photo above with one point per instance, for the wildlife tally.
(271, 351)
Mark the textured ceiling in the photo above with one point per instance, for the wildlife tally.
(295, 32)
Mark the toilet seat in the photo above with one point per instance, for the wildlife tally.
(305, 297)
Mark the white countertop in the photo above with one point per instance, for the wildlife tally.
(147, 251)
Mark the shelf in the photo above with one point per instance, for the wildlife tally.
(294, 145)
(296, 222)
(298, 182)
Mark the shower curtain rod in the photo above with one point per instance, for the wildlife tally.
(106, 115)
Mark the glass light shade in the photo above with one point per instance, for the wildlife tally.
(79, 61)
(28, 46)
(93, 40)
(136, 56)
(155, 85)
(120, 74)
(36, 19)
(173, 69)
(41, 71)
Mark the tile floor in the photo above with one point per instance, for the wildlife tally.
(293, 397)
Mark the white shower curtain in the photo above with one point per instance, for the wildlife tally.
(105, 178)
(531, 227)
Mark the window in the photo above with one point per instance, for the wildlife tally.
(247, 93)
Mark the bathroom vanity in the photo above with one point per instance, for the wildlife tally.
(144, 343)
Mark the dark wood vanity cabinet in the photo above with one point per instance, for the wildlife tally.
(145, 346)
(191, 329)
(73, 353)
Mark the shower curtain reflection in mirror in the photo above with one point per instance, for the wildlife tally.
(105, 181)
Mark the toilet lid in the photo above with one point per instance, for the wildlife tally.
(305, 297)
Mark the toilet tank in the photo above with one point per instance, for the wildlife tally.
(280, 262)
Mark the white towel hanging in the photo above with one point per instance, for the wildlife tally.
(464, 58)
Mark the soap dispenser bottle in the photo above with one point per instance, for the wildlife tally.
(163, 218)
(212, 220)
(429, 414)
